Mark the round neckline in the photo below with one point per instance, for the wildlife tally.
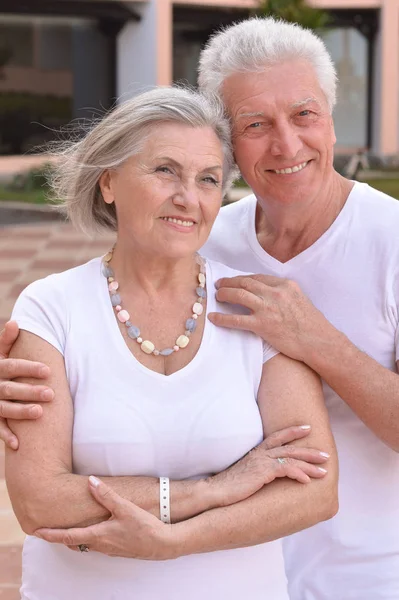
(302, 256)
(125, 352)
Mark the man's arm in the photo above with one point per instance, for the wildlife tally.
(283, 316)
(371, 390)
(16, 399)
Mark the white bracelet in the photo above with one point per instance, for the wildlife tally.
(164, 499)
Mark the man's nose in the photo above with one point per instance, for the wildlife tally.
(286, 141)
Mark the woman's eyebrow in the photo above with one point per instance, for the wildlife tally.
(171, 160)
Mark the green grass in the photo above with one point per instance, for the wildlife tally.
(388, 186)
(31, 196)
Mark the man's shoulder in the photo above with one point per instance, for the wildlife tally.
(232, 210)
(374, 220)
(232, 218)
(374, 203)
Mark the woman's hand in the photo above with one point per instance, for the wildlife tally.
(13, 395)
(273, 458)
(130, 531)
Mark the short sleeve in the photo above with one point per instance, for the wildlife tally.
(268, 352)
(40, 309)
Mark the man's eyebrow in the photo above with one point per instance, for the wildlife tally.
(250, 114)
(304, 102)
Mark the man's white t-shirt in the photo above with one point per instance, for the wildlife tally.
(129, 420)
(351, 273)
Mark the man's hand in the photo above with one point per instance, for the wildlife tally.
(130, 532)
(280, 313)
(273, 458)
(13, 395)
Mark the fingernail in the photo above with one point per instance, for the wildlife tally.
(35, 411)
(94, 481)
(304, 427)
(325, 454)
(322, 470)
(47, 395)
(217, 284)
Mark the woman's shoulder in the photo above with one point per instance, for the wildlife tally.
(66, 281)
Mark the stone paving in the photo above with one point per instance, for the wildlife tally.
(28, 253)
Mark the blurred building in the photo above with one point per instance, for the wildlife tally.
(65, 59)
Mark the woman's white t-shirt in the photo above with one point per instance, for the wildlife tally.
(129, 420)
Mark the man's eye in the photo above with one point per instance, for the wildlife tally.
(164, 169)
(254, 125)
(304, 113)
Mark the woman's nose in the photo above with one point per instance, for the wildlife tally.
(186, 196)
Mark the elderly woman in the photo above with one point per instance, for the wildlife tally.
(149, 394)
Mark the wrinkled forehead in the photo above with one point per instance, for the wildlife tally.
(284, 86)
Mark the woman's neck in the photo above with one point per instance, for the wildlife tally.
(153, 274)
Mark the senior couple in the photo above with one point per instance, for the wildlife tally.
(190, 392)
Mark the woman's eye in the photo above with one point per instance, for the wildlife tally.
(211, 180)
(164, 169)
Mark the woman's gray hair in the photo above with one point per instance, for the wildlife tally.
(79, 164)
(253, 44)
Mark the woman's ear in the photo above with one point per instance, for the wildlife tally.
(106, 186)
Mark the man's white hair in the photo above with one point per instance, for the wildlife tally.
(256, 43)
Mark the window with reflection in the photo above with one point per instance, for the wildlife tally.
(348, 48)
(52, 70)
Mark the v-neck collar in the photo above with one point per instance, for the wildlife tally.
(119, 343)
(281, 267)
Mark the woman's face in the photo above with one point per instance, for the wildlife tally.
(168, 196)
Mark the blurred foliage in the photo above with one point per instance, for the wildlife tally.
(34, 197)
(388, 186)
(35, 179)
(295, 11)
(29, 186)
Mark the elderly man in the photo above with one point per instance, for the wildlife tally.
(327, 250)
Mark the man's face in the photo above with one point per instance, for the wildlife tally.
(283, 133)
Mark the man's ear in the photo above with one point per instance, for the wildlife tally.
(106, 186)
(334, 137)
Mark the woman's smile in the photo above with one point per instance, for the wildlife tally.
(179, 224)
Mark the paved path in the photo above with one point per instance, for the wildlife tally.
(28, 253)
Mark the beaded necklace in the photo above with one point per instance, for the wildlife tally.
(133, 331)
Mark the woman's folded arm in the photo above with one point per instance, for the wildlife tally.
(43, 490)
